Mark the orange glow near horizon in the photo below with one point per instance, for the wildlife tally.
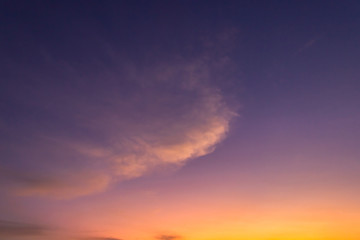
(321, 216)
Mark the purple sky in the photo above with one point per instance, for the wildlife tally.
(183, 120)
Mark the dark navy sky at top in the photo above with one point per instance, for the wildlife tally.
(270, 29)
(278, 75)
(271, 32)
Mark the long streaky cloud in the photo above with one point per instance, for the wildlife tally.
(15, 229)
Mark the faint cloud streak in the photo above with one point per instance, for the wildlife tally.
(307, 45)
(15, 229)
(168, 237)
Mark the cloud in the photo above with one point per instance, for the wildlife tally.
(182, 135)
(65, 184)
(62, 186)
(111, 125)
(168, 237)
(15, 229)
(307, 45)
(100, 238)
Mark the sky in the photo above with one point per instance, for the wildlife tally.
(179, 120)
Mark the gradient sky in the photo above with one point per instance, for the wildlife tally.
(171, 120)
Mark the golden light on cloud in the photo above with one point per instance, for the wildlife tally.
(186, 117)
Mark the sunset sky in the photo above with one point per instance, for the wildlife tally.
(179, 120)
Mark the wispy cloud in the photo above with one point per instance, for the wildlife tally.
(307, 45)
(114, 124)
